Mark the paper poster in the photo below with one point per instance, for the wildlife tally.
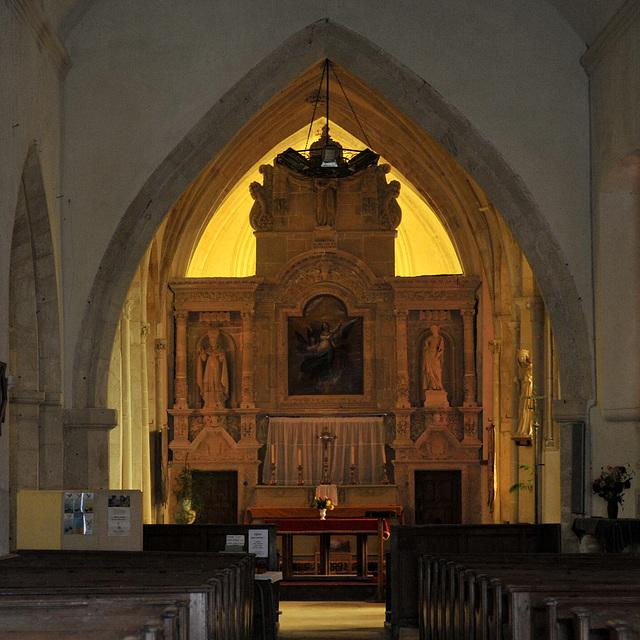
(259, 542)
(234, 543)
(77, 516)
(119, 515)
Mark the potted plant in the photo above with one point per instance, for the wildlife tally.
(183, 491)
(523, 486)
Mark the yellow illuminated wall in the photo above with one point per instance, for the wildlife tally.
(227, 246)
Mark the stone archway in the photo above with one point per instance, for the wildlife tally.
(34, 339)
(417, 101)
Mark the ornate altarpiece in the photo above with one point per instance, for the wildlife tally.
(246, 328)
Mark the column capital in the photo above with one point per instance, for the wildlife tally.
(495, 346)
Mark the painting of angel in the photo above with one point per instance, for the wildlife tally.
(325, 355)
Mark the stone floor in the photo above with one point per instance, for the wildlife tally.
(332, 621)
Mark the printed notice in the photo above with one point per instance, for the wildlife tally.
(234, 543)
(77, 516)
(119, 515)
(259, 542)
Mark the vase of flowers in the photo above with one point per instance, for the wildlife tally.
(610, 486)
(322, 504)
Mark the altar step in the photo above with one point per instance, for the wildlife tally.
(323, 588)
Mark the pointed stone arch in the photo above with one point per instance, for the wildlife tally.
(419, 103)
(34, 339)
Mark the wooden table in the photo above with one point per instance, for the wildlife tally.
(360, 527)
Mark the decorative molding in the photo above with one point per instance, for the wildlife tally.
(44, 35)
(625, 17)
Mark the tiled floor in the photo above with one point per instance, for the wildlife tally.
(332, 621)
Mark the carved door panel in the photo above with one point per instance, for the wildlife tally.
(215, 497)
(438, 497)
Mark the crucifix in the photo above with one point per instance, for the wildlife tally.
(325, 438)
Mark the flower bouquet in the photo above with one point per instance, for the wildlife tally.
(610, 486)
(322, 504)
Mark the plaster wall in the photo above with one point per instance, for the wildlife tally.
(30, 113)
(139, 84)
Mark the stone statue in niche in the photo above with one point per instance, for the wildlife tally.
(326, 201)
(525, 393)
(213, 371)
(432, 354)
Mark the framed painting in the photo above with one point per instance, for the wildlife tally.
(325, 350)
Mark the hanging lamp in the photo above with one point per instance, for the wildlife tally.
(326, 158)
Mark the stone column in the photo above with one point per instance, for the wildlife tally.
(513, 329)
(470, 409)
(470, 385)
(402, 361)
(180, 385)
(126, 425)
(144, 419)
(536, 306)
(495, 346)
(86, 447)
(248, 386)
(160, 475)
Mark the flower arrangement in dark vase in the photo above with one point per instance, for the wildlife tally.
(610, 485)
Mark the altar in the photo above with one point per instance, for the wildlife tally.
(287, 528)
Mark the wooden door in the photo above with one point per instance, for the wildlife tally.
(215, 497)
(438, 497)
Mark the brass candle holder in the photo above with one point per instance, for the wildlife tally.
(273, 480)
(300, 478)
(385, 477)
(353, 474)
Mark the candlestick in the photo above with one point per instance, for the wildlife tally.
(273, 480)
(300, 478)
(353, 474)
(385, 478)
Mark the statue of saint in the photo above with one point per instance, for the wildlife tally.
(432, 353)
(525, 389)
(213, 372)
(326, 195)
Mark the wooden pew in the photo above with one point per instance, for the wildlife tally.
(620, 630)
(95, 617)
(219, 586)
(480, 596)
(580, 617)
(407, 543)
